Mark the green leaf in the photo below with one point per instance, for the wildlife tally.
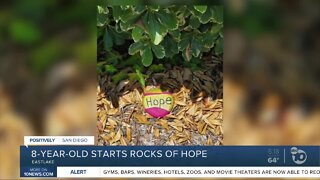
(135, 47)
(116, 13)
(119, 77)
(170, 46)
(218, 49)
(216, 28)
(141, 78)
(201, 9)
(154, 7)
(159, 51)
(156, 68)
(110, 69)
(133, 77)
(118, 37)
(185, 45)
(195, 12)
(107, 40)
(185, 41)
(99, 67)
(146, 55)
(129, 24)
(137, 33)
(186, 53)
(125, 7)
(206, 17)
(102, 10)
(113, 58)
(123, 14)
(139, 8)
(138, 65)
(196, 47)
(175, 34)
(194, 22)
(209, 39)
(102, 19)
(131, 61)
(194, 65)
(126, 26)
(217, 12)
(168, 19)
(155, 30)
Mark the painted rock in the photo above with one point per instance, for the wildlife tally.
(157, 103)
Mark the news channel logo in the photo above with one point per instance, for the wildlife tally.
(299, 156)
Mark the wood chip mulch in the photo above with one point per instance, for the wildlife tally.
(196, 118)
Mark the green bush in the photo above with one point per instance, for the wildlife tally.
(140, 35)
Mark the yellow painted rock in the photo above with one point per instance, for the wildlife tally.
(157, 103)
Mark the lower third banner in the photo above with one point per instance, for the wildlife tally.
(169, 161)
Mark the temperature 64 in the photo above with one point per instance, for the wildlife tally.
(273, 160)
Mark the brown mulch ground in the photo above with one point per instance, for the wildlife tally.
(196, 118)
